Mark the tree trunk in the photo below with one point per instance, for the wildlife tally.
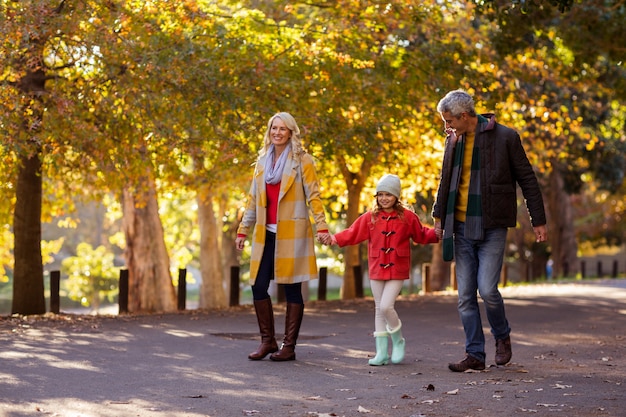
(28, 288)
(212, 293)
(147, 260)
(561, 233)
(439, 270)
(352, 256)
(227, 242)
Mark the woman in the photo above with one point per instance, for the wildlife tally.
(283, 190)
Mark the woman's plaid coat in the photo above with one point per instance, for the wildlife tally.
(299, 197)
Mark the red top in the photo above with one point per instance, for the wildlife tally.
(273, 192)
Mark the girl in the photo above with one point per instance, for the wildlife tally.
(388, 228)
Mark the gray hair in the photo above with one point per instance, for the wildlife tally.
(457, 102)
(290, 122)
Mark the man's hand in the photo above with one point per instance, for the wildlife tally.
(438, 230)
(541, 233)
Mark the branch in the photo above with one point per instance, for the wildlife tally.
(59, 8)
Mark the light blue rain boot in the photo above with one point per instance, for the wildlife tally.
(382, 344)
(397, 348)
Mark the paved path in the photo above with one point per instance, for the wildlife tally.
(569, 346)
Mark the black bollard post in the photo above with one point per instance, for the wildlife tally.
(600, 274)
(123, 292)
(321, 285)
(583, 269)
(55, 286)
(182, 289)
(615, 269)
(234, 286)
(358, 281)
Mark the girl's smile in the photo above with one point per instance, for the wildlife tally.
(386, 201)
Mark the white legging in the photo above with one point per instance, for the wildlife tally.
(385, 294)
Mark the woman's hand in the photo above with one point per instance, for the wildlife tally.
(240, 242)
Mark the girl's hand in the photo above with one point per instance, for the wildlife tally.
(324, 238)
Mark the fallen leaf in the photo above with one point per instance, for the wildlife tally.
(363, 410)
(429, 401)
(314, 398)
(251, 412)
(528, 410)
(453, 392)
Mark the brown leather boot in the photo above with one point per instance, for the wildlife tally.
(469, 362)
(265, 317)
(503, 351)
(293, 320)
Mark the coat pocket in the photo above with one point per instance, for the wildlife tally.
(403, 262)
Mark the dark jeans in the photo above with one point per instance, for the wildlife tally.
(478, 266)
(293, 292)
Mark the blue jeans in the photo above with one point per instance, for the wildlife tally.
(478, 267)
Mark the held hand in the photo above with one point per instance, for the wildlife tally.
(239, 242)
(438, 230)
(324, 238)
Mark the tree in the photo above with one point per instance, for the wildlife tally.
(566, 103)
(27, 31)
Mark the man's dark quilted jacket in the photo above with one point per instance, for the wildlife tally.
(503, 164)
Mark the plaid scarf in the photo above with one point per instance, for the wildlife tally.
(474, 216)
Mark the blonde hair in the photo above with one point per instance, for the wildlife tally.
(399, 208)
(290, 122)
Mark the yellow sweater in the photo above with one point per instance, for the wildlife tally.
(460, 210)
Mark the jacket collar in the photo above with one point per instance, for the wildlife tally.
(486, 121)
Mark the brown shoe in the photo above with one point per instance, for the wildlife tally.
(469, 362)
(503, 351)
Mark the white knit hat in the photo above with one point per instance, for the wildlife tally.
(389, 183)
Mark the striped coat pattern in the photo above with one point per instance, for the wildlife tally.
(299, 199)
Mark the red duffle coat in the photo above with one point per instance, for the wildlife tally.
(389, 236)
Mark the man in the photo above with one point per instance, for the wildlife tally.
(476, 203)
